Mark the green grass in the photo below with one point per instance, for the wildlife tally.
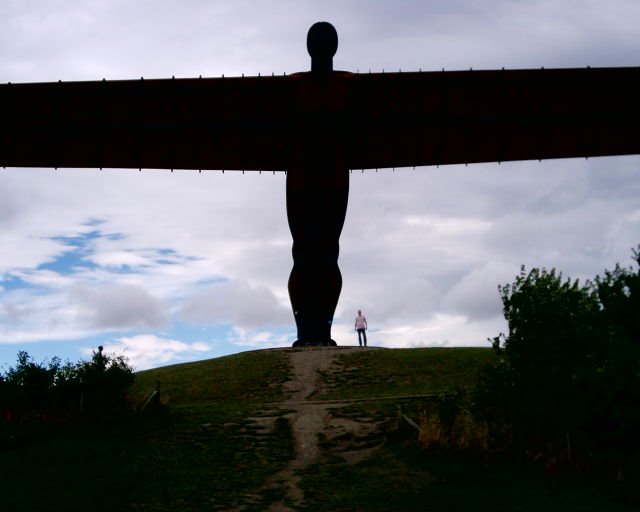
(200, 452)
(401, 373)
(250, 376)
(398, 372)
(403, 477)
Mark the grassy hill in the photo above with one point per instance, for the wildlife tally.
(219, 440)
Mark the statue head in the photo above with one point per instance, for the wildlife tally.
(322, 44)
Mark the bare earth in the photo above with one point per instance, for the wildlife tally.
(309, 419)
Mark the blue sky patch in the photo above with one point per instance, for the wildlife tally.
(71, 260)
(10, 282)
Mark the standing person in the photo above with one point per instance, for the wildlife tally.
(361, 327)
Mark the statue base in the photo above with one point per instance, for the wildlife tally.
(304, 343)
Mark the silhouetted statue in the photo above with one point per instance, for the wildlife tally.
(316, 126)
(317, 194)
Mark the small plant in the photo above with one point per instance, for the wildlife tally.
(450, 425)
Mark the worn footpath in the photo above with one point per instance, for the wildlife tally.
(318, 433)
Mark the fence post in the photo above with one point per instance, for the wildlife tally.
(153, 400)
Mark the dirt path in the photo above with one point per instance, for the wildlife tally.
(309, 420)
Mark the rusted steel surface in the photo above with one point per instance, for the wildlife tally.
(484, 116)
(230, 123)
(364, 120)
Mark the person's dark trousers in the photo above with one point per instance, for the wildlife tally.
(362, 333)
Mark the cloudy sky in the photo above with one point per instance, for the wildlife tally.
(171, 267)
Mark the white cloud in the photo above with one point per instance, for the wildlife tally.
(35, 314)
(23, 251)
(119, 259)
(449, 226)
(475, 295)
(422, 251)
(14, 313)
(440, 330)
(148, 351)
(259, 339)
(118, 307)
(43, 278)
(237, 303)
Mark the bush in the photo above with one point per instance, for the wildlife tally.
(449, 424)
(57, 392)
(104, 384)
(568, 386)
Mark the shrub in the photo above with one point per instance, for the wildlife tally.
(104, 383)
(450, 425)
(28, 388)
(568, 385)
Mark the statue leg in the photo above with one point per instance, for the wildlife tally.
(316, 208)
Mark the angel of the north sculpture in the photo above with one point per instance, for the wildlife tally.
(316, 126)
